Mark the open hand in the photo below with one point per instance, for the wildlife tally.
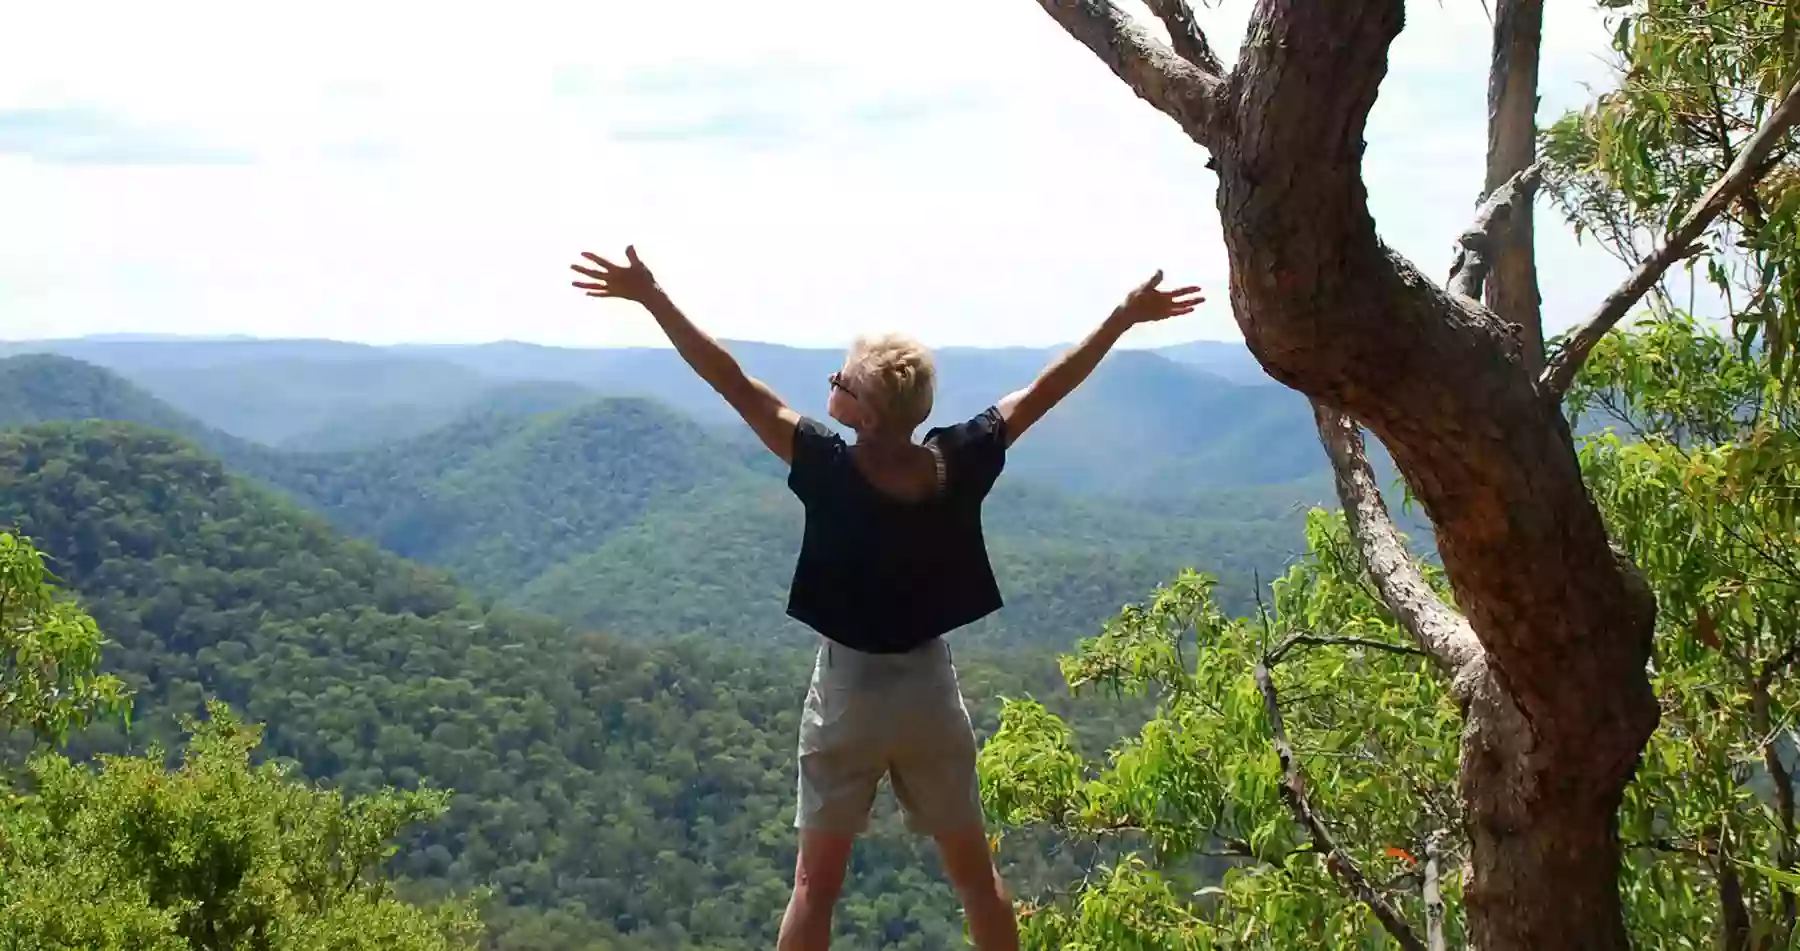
(631, 282)
(1147, 302)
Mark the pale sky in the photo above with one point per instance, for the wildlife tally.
(795, 172)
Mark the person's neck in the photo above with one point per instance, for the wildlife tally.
(883, 444)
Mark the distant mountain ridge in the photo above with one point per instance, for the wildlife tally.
(1150, 423)
(623, 514)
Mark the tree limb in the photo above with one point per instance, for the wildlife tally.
(1512, 288)
(1437, 628)
(1181, 90)
(1342, 866)
(1751, 165)
(1475, 247)
(1185, 34)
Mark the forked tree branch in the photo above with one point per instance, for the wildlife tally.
(1342, 866)
(1475, 249)
(1185, 34)
(1439, 629)
(1179, 89)
(1751, 164)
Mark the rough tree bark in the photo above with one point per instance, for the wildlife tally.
(1550, 659)
(1512, 147)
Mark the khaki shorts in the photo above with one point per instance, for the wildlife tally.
(895, 715)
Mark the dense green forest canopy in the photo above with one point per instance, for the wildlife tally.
(582, 766)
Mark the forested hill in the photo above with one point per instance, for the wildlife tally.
(40, 388)
(601, 787)
(625, 515)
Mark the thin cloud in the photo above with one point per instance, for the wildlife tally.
(426, 172)
(79, 136)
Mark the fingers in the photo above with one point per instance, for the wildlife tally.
(1189, 297)
(590, 287)
(597, 259)
(631, 255)
(590, 272)
(1154, 280)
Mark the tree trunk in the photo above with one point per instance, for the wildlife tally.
(1550, 665)
(1544, 848)
(1447, 386)
(1527, 877)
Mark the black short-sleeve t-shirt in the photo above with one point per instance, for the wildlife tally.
(884, 575)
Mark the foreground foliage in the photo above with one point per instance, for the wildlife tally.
(1372, 733)
(1698, 473)
(49, 649)
(1701, 483)
(216, 854)
(1696, 82)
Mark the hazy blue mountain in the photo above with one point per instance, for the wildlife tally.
(360, 427)
(1227, 359)
(1162, 423)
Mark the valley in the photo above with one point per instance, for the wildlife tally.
(565, 605)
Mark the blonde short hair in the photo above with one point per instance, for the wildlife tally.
(898, 374)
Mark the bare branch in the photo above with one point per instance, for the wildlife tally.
(1432, 893)
(1293, 789)
(1179, 89)
(1313, 640)
(1185, 34)
(1512, 286)
(1475, 247)
(1751, 165)
(1437, 628)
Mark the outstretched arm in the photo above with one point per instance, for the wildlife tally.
(1144, 304)
(766, 413)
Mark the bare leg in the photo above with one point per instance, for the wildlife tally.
(818, 878)
(970, 867)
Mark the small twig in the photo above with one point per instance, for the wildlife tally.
(1677, 847)
(1342, 866)
(1314, 640)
